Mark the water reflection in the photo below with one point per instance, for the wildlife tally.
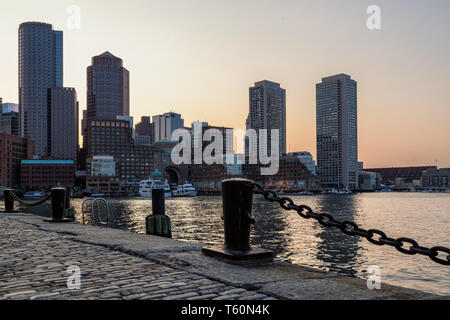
(268, 231)
(335, 248)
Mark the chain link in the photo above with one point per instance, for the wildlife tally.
(404, 245)
(30, 204)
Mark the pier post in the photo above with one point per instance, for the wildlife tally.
(58, 196)
(237, 198)
(158, 223)
(9, 200)
(158, 202)
(69, 212)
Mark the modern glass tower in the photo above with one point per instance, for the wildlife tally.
(337, 132)
(40, 68)
(108, 88)
(164, 125)
(267, 111)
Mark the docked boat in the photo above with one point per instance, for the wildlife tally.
(185, 190)
(154, 182)
(34, 194)
(98, 195)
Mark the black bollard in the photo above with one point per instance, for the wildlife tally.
(9, 200)
(69, 212)
(158, 224)
(237, 197)
(58, 196)
(67, 199)
(158, 202)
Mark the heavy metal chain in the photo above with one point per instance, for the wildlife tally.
(30, 204)
(352, 229)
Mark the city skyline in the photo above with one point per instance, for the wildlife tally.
(412, 135)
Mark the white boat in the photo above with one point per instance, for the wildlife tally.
(335, 191)
(146, 187)
(35, 194)
(185, 190)
(97, 195)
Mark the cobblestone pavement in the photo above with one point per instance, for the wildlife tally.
(34, 265)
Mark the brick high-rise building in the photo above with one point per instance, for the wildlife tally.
(13, 149)
(145, 129)
(108, 92)
(115, 138)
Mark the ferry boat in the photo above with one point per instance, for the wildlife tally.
(185, 190)
(155, 182)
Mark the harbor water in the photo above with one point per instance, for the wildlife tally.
(424, 217)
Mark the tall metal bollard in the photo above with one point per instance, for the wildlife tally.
(58, 196)
(69, 212)
(9, 200)
(158, 202)
(237, 197)
(158, 224)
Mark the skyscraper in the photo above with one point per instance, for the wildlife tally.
(164, 125)
(267, 111)
(108, 92)
(10, 107)
(337, 132)
(63, 123)
(145, 129)
(40, 68)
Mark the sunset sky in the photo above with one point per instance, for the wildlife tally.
(199, 57)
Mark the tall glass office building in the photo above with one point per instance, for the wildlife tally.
(337, 132)
(40, 68)
(267, 111)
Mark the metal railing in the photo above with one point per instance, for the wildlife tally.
(93, 206)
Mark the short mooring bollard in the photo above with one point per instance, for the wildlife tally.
(158, 224)
(9, 200)
(237, 217)
(58, 196)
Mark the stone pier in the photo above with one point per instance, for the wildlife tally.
(117, 264)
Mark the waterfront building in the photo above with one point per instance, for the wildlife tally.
(369, 181)
(407, 175)
(40, 68)
(10, 123)
(337, 132)
(13, 149)
(292, 175)
(267, 110)
(9, 107)
(203, 127)
(145, 129)
(436, 178)
(164, 125)
(63, 129)
(45, 174)
(108, 92)
(307, 159)
(115, 138)
(102, 174)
